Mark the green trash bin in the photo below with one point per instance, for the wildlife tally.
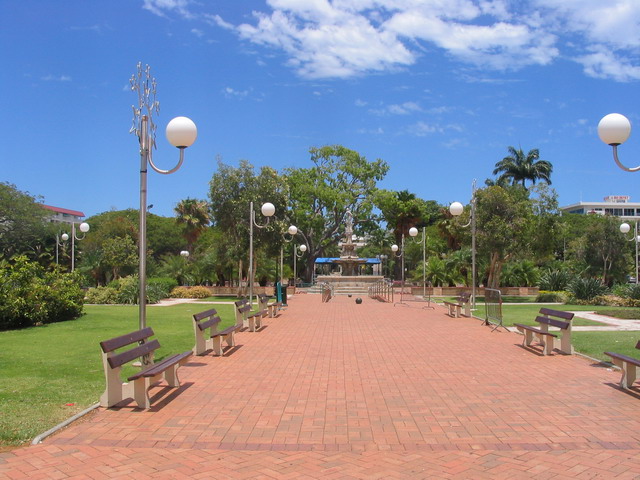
(281, 293)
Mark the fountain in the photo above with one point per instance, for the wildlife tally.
(349, 280)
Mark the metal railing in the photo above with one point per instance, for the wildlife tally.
(327, 291)
(382, 290)
(493, 308)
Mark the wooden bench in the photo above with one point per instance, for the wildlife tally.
(137, 385)
(249, 319)
(272, 308)
(209, 320)
(455, 308)
(549, 340)
(628, 365)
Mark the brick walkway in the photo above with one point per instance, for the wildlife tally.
(368, 391)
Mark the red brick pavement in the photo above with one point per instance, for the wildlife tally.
(341, 390)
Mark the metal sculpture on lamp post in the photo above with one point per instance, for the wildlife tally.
(456, 209)
(625, 228)
(181, 133)
(268, 210)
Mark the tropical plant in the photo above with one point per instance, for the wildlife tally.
(520, 168)
(193, 215)
(586, 288)
(555, 280)
(523, 273)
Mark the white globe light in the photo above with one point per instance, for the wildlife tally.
(65, 237)
(184, 253)
(292, 230)
(614, 129)
(394, 248)
(413, 231)
(84, 227)
(456, 209)
(268, 209)
(625, 227)
(303, 248)
(181, 132)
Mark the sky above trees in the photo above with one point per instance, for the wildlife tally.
(437, 89)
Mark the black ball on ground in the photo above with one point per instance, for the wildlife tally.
(358, 300)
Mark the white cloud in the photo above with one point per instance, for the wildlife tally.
(56, 78)
(197, 32)
(231, 92)
(162, 7)
(345, 38)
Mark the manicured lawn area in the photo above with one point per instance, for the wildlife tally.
(45, 368)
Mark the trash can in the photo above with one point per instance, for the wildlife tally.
(281, 293)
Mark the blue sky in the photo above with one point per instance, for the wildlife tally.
(437, 88)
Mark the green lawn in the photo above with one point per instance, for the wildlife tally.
(593, 344)
(45, 368)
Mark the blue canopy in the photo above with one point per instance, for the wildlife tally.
(329, 260)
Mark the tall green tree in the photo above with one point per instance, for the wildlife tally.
(339, 180)
(193, 215)
(519, 167)
(503, 226)
(232, 189)
(22, 223)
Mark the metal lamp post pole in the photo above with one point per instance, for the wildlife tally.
(267, 210)
(84, 228)
(456, 209)
(181, 133)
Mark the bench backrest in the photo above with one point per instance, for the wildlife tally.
(553, 322)
(464, 297)
(241, 302)
(118, 359)
(568, 316)
(211, 315)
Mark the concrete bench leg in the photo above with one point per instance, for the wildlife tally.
(216, 345)
(528, 338)
(629, 373)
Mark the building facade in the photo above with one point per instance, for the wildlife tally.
(615, 205)
(63, 215)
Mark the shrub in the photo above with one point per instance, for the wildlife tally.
(548, 297)
(190, 292)
(102, 295)
(586, 288)
(161, 285)
(555, 280)
(29, 295)
(628, 290)
(125, 290)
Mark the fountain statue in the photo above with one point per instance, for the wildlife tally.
(349, 260)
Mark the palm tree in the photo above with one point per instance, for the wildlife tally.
(194, 215)
(519, 167)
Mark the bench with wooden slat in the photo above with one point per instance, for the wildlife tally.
(462, 302)
(549, 340)
(628, 365)
(250, 320)
(271, 308)
(209, 320)
(137, 385)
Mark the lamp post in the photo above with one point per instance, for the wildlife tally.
(395, 249)
(413, 232)
(84, 228)
(268, 210)
(302, 248)
(456, 209)
(181, 132)
(292, 230)
(64, 237)
(625, 228)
